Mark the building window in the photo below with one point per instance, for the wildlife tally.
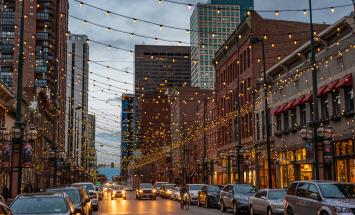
(293, 118)
(336, 103)
(303, 115)
(278, 123)
(324, 104)
(263, 123)
(251, 124)
(349, 99)
(286, 122)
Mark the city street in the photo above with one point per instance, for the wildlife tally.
(158, 207)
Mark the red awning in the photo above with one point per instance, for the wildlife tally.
(299, 101)
(331, 86)
(290, 104)
(274, 112)
(322, 90)
(345, 81)
(282, 108)
(307, 98)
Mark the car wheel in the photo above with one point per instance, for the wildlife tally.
(269, 211)
(206, 202)
(235, 209)
(289, 211)
(251, 210)
(223, 208)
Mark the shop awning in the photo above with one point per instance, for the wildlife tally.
(322, 90)
(345, 81)
(290, 104)
(275, 110)
(331, 86)
(307, 98)
(299, 101)
(282, 108)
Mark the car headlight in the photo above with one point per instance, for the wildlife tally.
(123, 191)
(169, 192)
(140, 191)
(154, 190)
(339, 209)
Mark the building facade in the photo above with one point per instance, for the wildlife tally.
(127, 133)
(45, 28)
(91, 158)
(290, 99)
(210, 25)
(238, 67)
(77, 78)
(159, 70)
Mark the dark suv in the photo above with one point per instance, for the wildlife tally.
(320, 197)
(236, 197)
(78, 196)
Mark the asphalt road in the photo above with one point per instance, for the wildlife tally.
(131, 206)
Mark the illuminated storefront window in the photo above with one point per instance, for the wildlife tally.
(344, 161)
(306, 171)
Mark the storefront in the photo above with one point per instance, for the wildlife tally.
(344, 158)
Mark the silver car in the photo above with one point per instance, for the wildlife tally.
(267, 201)
(193, 190)
(320, 197)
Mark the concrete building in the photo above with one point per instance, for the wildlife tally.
(210, 25)
(127, 133)
(77, 99)
(238, 66)
(290, 102)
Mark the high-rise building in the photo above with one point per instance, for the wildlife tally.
(44, 66)
(127, 132)
(210, 25)
(77, 98)
(91, 158)
(159, 70)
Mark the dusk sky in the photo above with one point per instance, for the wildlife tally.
(105, 104)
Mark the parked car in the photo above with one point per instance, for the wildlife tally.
(267, 201)
(193, 191)
(42, 203)
(208, 196)
(175, 195)
(79, 198)
(320, 197)
(118, 192)
(91, 191)
(235, 196)
(146, 190)
(158, 185)
(167, 189)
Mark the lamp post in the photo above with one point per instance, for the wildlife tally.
(204, 154)
(254, 40)
(314, 96)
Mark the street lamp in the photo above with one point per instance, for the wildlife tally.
(255, 40)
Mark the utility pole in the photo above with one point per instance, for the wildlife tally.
(315, 97)
(18, 122)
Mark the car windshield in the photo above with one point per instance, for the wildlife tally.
(338, 191)
(146, 185)
(277, 194)
(212, 188)
(73, 194)
(39, 205)
(169, 186)
(244, 188)
(195, 187)
(85, 186)
(116, 187)
(177, 188)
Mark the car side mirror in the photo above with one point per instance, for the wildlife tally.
(314, 196)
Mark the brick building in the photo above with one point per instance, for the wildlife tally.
(290, 100)
(238, 65)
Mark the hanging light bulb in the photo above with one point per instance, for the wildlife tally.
(134, 20)
(277, 13)
(305, 12)
(189, 6)
(161, 27)
(218, 10)
(107, 13)
(290, 36)
(332, 9)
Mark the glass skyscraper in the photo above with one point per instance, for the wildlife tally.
(210, 25)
